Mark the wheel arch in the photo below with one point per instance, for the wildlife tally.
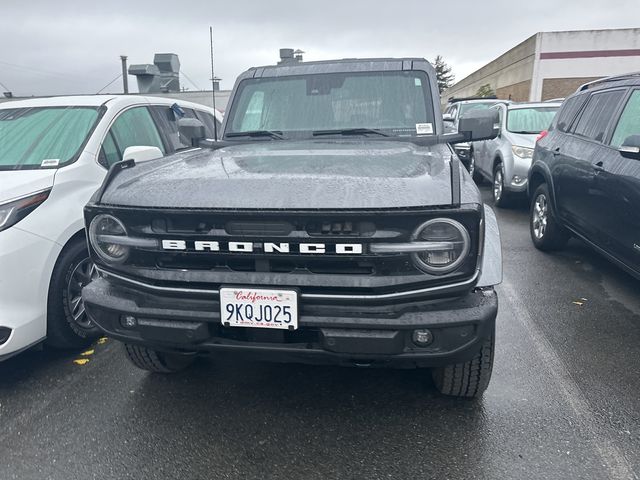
(76, 237)
(497, 158)
(491, 266)
(538, 175)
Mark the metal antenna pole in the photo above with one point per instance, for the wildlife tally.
(213, 85)
(125, 82)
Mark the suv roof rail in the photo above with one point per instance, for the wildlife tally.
(614, 78)
(464, 99)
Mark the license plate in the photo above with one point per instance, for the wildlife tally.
(259, 308)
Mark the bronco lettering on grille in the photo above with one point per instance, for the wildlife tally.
(267, 247)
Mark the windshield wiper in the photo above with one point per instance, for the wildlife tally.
(350, 131)
(257, 133)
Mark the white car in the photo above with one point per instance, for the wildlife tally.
(54, 154)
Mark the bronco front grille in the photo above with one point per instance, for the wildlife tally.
(258, 229)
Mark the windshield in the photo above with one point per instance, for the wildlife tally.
(530, 120)
(395, 103)
(43, 136)
(467, 107)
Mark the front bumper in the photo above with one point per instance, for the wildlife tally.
(26, 265)
(328, 333)
(516, 181)
(519, 188)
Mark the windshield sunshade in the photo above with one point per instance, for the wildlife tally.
(43, 136)
(530, 120)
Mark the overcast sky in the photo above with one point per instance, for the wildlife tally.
(63, 47)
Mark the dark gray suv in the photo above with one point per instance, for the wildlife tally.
(333, 224)
(585, 178)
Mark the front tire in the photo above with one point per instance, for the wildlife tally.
(468, 379)
(473, 171)
(68, 324)
(157, 362)
(546, 232)
(500, 195)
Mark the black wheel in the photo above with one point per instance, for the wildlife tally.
(68, 325)
(547, 234)
(157, 362)
(475, 174)
(471, 168)
(500, 195)
(469, 379)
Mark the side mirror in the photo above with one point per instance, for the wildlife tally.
(631, 147)
(480, 124)
(447, 117)
(141, 154)
(191, 131)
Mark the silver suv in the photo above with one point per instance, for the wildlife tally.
(451, 117)
(505, 160)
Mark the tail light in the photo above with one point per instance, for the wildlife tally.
(543, 134)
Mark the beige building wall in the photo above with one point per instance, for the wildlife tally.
(562, 87)
(554, 64)
(508, 74)
(518, 92)
(565, 59)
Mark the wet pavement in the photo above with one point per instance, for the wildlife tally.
(563, 401)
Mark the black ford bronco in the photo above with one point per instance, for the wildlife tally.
(332, 223)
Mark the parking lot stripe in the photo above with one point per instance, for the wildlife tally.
(613, 459)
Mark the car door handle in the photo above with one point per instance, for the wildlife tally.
(556, 152)
(599, 166)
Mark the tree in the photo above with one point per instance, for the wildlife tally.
(443, 73)
(485, 91)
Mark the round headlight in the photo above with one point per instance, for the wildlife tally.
(104, 231)
(451, 244)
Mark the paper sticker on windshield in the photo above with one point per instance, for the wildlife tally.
(50, 162)
(424, 128)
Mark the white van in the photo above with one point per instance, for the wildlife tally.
(54, 154)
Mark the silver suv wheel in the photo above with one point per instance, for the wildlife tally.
(498, 184)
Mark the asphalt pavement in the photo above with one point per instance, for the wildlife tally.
(563, 401)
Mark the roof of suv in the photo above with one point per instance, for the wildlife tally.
(515, 106)
(338, 66)
(98, 100)
(64, 101)
(626, 79)
(476, 100)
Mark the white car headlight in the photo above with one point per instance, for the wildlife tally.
(108, 238)
(522, 152)
(14, 211)
(454, 244)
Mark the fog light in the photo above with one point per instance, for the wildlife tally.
(5, 333)
(516, 180)
(422, 337)
(128, 321)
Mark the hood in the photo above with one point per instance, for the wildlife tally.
(523, 139)
(18, 183)
(293, 175)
